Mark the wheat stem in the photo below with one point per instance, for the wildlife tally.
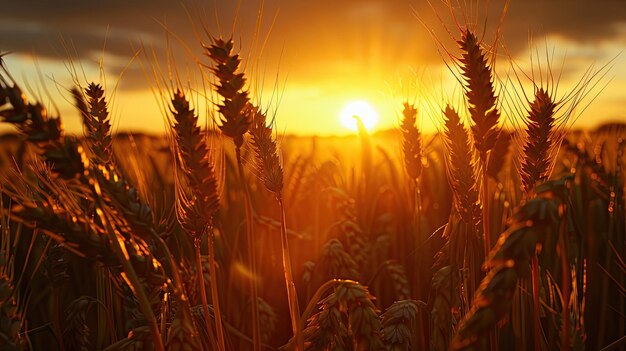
(256, 333)
(214, 290)
(485, 210)
(536, 316)
(565, 285)
(56, 321)
(493, 344)
(133, 281)
(200, 280)
(292, 294)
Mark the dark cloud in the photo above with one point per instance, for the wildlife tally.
(82, 28)
(579, 20)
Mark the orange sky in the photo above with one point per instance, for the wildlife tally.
(319, 55)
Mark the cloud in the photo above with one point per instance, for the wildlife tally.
(309, 39)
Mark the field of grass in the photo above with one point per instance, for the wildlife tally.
(485, 236)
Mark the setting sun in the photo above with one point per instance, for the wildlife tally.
(361, 109)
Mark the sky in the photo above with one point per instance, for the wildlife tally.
(307, 60)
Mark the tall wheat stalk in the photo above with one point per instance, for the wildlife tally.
(271, 172)
(234, 123)
(536, 169)
(197, 211)
(483, 110)
(412, 152)
(463, 243)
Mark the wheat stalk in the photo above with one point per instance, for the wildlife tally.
(412, 152)
(269, 168)
(195, 163)
(460, 169)
(411, 141)
(196, 214)
(121, 196)
(481, 98)
(397, 322)
(336, 263)
(480, 94)
(182, 336)
(535, 168)
(326, 330)
(445, 282)
(234, 119)
(98, 124)
(540, 129)
(509, 261)
(234, 123)
(271, 172)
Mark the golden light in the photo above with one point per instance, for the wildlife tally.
(361, 109)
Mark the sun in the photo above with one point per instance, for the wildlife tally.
(361, 109)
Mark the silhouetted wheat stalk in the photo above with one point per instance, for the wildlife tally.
(483, 110)
(461, 171)
(463, 238)
(536, 168)
(480, 94)
(196, 212)
(445, 300)
(120, 195)
(412, 152)
(230, 86)
(271, 172)
(411, 142)
(98, 124)
(235, 122)
(537, 151)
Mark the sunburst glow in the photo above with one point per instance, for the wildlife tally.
(362, 109)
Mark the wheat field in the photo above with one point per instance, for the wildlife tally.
(487, 235)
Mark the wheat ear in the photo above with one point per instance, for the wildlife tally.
(326, 330)
(540, 129)
(396, 325)
(98, 124)
(411, 141)
(230, 86)
(460, 169)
